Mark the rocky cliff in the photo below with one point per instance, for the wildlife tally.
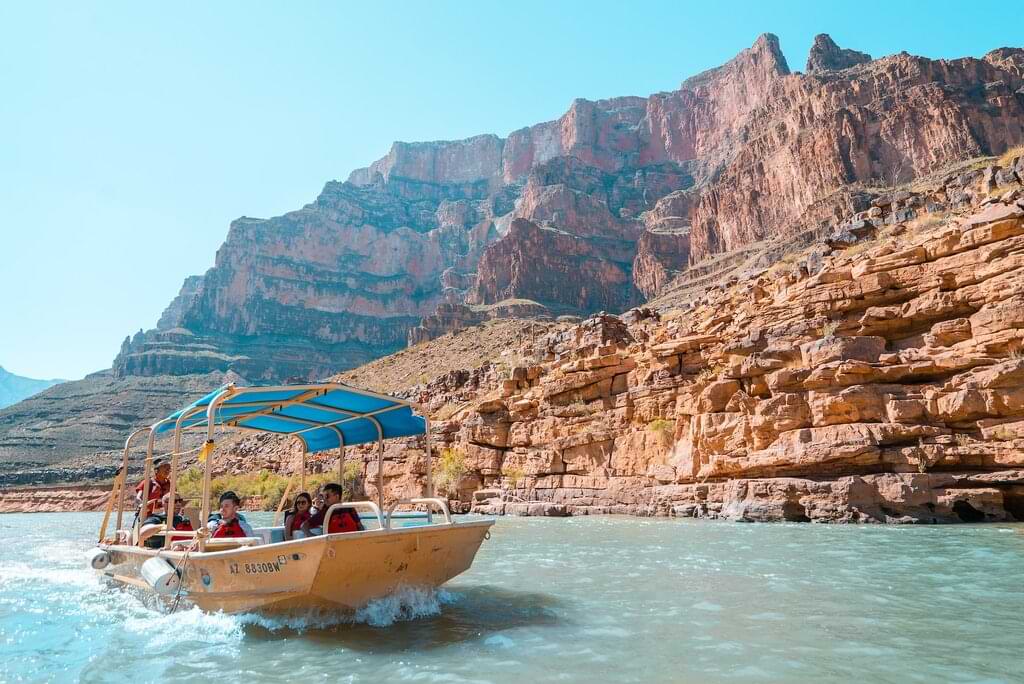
(597, 210)
(616, 203)
(874, 377)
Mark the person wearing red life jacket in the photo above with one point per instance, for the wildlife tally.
(342, 520)
(158, 486)
(295, 518)
(228, 523)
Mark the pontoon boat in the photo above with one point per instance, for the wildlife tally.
(264, 572)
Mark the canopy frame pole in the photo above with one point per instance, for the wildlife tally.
(284, 498)
(341, 459)
(430, 478)
(146, 477)
(380, 465)
(430, 474)
(169, 521)
(211, 412)
(119, 490)
(291, 481)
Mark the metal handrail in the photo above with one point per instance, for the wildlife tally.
(368, 505)
(428, 501)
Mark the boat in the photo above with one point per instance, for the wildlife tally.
(264, 573)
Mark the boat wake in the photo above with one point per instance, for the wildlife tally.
(408, 603)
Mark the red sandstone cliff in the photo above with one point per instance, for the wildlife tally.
(879, 380)
(617, 202)
(757, 151)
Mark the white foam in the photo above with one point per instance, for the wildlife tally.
(17, 573)
(192, 625)
(408, 603)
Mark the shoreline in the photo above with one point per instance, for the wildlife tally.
(90, 498)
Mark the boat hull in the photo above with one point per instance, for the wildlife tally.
(338, 571)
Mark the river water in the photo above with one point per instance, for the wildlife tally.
(569, 600)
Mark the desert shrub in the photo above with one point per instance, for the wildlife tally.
(1011, 154)
(451, 466)
(513, 475)
(662, 429)
(268, 485)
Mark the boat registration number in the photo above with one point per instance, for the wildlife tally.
(260, 568)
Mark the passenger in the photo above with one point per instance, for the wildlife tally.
(229, 523)
(183, 522)
(294, 519)
(342, 519)
(158, 486)
(318, 504)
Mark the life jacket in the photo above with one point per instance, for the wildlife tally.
(182, 525)
(231, 528)
(296, 519)
(156, 492)
(345, 520)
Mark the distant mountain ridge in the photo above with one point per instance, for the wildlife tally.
(14, 388)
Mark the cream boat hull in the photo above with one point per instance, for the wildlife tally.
(337, 571)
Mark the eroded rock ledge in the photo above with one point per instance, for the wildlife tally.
(879, 381)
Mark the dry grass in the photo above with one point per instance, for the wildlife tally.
(425, 362)
(1010, 155)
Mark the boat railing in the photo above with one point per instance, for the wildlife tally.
(440, 504)
(358, 505)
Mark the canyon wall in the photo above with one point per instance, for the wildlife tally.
(560, 213)
(878, 377)
(618, 202)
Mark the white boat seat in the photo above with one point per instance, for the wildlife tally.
(270, 535)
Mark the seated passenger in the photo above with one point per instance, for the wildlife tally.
(318, 504)
(158, 486)
(229, 523)
(342, 519)
(182, 522)
(294, 519)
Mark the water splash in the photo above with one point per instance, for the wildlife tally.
(409, 603)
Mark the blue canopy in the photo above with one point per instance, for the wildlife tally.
(324, 416)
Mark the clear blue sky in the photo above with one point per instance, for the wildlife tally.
(133, 133)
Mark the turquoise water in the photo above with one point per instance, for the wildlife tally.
(576, 600)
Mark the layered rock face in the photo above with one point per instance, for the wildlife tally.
(827, 56)
(877, 381)
(567, 213)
